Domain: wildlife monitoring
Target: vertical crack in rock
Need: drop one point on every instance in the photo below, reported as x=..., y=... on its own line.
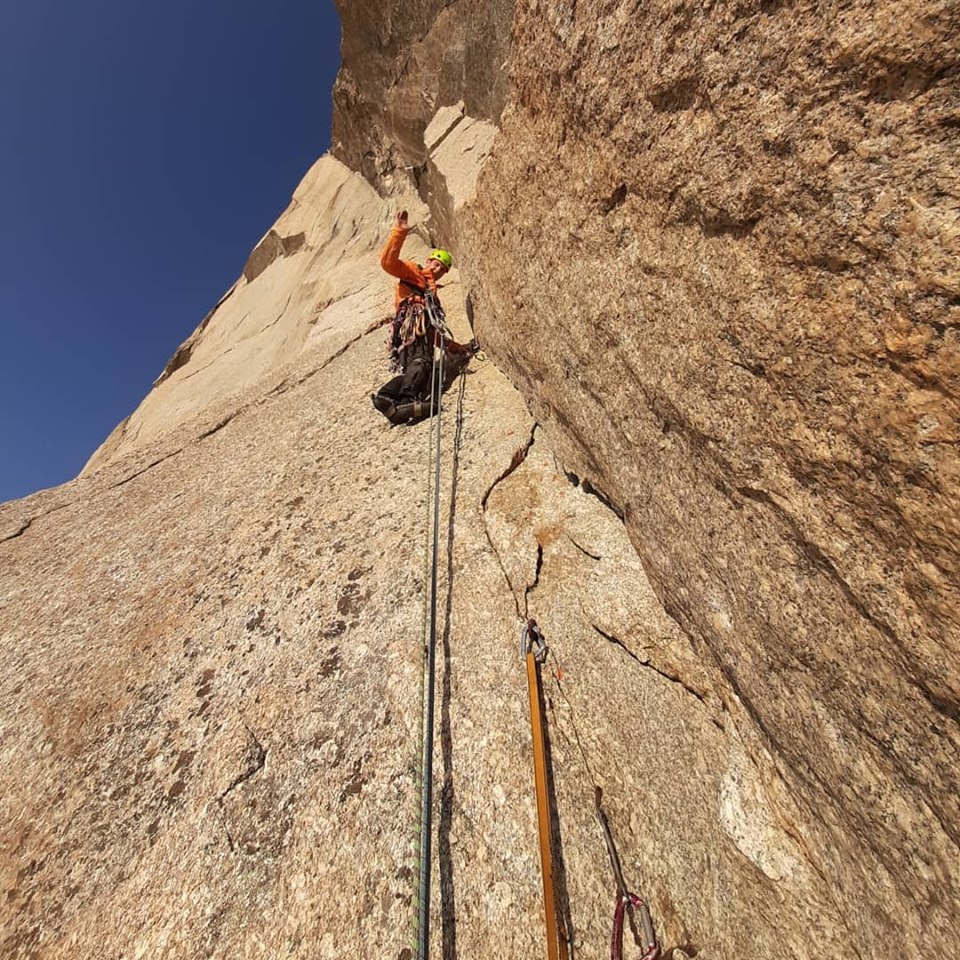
x=518, y=458
x=530, y=587
x=506, y=576
x=256, y=759
x=646, y=663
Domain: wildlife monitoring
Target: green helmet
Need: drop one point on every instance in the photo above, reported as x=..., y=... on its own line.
x=443, y=257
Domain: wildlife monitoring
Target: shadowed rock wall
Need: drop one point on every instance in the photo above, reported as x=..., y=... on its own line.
x=716, y=245
x=404, y=59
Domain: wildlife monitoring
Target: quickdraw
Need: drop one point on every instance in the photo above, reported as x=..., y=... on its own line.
x=616, y=947
x=625, y=900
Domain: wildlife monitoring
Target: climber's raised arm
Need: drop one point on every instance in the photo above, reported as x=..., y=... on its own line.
x=390, y=258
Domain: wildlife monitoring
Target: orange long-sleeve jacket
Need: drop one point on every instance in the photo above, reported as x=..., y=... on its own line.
x=412, y=278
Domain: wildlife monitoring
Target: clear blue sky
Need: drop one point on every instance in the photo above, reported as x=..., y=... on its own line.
x=144, y=149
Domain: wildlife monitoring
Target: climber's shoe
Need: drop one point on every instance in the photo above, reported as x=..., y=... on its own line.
x=383, y=404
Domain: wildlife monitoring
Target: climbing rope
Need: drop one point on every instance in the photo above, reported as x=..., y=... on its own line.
x=428, y=675
x=425, y=613
x=534, y=651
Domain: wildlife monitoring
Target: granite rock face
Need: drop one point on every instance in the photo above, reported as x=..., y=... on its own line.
x=403, y=59
x=210, y=647
x=711, y=253
x=716, y=246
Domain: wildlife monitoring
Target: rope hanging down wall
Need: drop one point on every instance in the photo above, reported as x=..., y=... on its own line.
x=533, y=649
x=429, y=661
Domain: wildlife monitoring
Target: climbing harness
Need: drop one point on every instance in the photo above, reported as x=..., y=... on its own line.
x=626, y=901
x=533, y=649
x=412, y=317
x=429, y=647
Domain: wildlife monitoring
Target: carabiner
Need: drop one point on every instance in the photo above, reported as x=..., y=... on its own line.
x=531, y=641
x=651, y=947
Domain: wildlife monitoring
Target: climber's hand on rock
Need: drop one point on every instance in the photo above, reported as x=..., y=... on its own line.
x=401, y=220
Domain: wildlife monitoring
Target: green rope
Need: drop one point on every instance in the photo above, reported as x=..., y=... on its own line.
x=418, y=775
x=422, y=895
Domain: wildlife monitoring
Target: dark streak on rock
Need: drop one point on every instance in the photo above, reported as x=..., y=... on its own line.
x=356, y=783
x=256, y=758
x=646, y=663
x=518, y=457
x=616, y=199
x=149, y=466
x=583, y=550
x=31, y=520
x=530, y=587
x=219, y=426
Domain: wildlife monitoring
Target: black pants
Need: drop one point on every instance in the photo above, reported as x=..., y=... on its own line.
x=406, y=398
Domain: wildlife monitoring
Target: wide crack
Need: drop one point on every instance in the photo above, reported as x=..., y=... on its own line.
x=530, y=587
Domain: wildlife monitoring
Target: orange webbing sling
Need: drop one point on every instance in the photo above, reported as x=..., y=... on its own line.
x=534, y=650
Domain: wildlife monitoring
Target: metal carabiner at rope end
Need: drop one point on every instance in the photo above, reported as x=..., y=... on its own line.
x=531, y=641
x=646, y=921
x=651, y=949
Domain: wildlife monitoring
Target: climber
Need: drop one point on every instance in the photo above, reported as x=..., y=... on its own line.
x=413, y=339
